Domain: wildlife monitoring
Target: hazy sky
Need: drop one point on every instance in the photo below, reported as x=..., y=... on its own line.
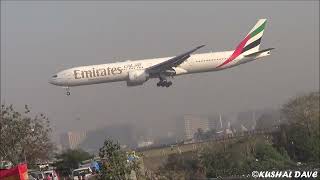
x=39, y=39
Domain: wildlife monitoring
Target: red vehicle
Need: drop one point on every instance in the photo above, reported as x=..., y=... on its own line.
x=51, y=175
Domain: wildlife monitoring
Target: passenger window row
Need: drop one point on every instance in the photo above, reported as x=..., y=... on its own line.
x=140, y=67
x=206, y=60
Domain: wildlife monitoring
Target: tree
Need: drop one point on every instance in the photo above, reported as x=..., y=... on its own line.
x=115, y=162
x=302, y=132
x=267, y=120
x=242, y=157
x=267, y=157
x=70, y=159
x=199, y=134
x=24, y=138
x=182, y=166
x=303, y=111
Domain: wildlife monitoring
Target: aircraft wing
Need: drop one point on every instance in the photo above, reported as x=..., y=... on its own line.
x=173, y=62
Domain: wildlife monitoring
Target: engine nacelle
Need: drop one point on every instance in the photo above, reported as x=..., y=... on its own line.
x=170, y=72
x=137, y=77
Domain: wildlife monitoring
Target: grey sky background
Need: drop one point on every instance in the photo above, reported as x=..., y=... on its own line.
x=39, y=39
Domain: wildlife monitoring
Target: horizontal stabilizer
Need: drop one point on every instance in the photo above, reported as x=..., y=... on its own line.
x=259, y=52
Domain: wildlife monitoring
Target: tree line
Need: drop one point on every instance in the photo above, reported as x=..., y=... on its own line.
x=26, y=138
x=297, y=141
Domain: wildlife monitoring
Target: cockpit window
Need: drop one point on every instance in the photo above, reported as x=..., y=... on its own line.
x=54, y=76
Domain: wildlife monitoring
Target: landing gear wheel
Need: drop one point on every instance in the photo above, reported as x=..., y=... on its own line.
x=160, y=83
x=164, y=83
x=168, y=84
x=68, y=91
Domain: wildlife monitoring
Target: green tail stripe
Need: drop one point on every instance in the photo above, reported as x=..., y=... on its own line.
x=258, y=30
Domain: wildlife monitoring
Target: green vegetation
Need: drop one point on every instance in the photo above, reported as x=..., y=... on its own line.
x=241, y=157
x=185, y=166
x=24, y=138
x=115, y=163
x=301, y=137
x=298, y=140
x=70, y=159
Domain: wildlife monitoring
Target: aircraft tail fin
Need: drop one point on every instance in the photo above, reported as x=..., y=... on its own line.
x=251, y=43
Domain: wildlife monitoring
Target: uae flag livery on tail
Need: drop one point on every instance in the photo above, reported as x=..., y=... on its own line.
x=250, y=44
x=254, y=36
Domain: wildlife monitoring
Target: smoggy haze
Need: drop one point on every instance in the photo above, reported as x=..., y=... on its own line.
x=39, y=39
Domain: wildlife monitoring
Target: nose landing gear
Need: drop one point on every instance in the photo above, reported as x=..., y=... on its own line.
x=68, y=91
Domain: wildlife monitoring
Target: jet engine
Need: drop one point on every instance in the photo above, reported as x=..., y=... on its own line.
x=137, y=77
x=170, y=72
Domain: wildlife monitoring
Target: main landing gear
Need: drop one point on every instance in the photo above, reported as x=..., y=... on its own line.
x=163, y=82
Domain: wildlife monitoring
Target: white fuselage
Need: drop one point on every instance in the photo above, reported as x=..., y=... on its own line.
x=103, y=73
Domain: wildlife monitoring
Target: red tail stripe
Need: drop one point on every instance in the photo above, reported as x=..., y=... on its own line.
x=236, y=52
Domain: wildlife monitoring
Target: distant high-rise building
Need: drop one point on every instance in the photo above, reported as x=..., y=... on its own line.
x=257, y=119
x=193, y=123
x=247, y=119
x=218, y=122
x=71, y=140
x=125, y=133
x=213, y=121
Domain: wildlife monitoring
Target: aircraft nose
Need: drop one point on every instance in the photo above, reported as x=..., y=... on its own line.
x=53, y=80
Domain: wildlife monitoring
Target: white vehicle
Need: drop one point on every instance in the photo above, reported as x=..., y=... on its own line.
x=137, y=72
x=79, y=173
x=36, y=175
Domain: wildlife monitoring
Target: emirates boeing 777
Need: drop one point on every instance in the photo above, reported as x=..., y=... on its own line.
x=137, y=72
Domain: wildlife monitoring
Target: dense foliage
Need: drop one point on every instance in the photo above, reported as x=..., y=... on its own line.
x=24, y=138
x=116, y=163
x=186, y=166
x=297, y=140
x=301, y=137
x=70, y=159
x=201, y=135
x=242, y=157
